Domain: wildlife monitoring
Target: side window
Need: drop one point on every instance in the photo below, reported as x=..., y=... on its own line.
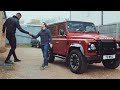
x=61, y=30
x=52, y=29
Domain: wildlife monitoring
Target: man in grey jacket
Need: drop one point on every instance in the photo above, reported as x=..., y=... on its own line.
x=10, y=26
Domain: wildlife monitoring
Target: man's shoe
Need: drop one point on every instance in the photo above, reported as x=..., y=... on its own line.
x=43, y=67
x=17, y=60
x=9, y=62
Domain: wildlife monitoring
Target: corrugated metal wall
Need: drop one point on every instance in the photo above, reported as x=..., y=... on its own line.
x=24, y=38
x=112, y=30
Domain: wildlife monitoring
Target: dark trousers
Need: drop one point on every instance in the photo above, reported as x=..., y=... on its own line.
x=12, y=41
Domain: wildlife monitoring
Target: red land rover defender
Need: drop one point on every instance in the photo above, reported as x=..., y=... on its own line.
x=80, y=44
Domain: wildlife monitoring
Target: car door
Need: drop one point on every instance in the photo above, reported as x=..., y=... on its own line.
x=61, y=42
x=54, y=30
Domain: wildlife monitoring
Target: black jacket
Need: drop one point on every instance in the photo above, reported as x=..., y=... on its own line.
x=11, y=24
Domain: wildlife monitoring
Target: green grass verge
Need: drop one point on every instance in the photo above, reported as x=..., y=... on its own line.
x=21, y=45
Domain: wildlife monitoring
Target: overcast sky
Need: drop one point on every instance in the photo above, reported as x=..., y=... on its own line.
x=28, y=15
x=92, y=16
x=95, y=16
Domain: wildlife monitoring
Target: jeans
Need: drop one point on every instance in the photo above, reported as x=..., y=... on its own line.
x=45, y=53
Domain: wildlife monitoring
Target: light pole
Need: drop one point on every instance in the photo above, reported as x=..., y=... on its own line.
x=70, y=15
x=101, y=17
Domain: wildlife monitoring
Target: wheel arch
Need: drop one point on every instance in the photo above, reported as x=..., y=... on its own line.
x=78, y=46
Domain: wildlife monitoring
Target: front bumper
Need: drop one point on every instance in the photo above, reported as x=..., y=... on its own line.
x=98, y=58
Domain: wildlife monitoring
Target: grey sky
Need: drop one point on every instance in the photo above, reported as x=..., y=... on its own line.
x=28, y=15
x=92, y=16
x=95, y=16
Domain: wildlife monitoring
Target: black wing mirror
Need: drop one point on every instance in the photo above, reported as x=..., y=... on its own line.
x=98, y=32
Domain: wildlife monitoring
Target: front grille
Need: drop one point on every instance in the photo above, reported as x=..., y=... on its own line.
x=106, y=47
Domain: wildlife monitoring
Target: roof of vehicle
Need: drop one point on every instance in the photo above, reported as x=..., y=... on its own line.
x=68, y=21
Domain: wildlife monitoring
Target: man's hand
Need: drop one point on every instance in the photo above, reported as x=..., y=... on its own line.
x=30, y=33
x=3, y=34
x=51, y=45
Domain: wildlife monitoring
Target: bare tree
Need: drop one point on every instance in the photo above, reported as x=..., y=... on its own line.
x=54, y=20
x=34, y=21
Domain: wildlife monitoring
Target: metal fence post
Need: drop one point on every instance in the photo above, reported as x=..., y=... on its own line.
x=117, y=33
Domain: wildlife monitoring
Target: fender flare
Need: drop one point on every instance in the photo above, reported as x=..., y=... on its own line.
x=78, y=45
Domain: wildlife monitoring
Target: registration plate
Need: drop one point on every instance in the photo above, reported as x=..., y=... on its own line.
x=108, y=56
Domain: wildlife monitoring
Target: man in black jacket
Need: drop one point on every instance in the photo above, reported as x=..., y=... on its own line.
x=10, y=26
